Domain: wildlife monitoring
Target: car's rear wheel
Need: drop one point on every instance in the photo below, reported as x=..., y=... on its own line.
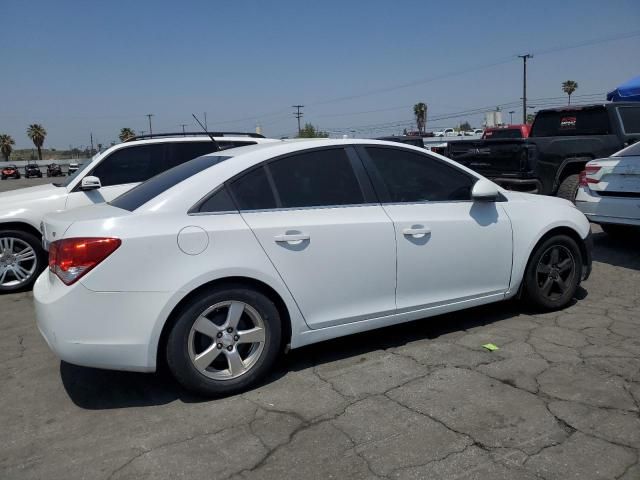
x=224, y=341
x=569, y=188
x=21, y=260
x=553, y=273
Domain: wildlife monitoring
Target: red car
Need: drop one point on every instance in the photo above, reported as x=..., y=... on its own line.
x=508, y=131
x=10, y=171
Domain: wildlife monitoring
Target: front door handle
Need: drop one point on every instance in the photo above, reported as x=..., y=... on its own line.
x=291, y=237
x=416, y=231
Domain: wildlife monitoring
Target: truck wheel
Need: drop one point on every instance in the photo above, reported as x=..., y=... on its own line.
x=569, y=188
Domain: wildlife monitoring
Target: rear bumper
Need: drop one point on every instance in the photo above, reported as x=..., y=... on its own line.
x=613, y=210
x=112, y=330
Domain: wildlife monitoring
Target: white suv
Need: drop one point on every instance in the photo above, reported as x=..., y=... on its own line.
x=100, y=179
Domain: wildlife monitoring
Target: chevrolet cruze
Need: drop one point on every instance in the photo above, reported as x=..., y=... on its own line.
x=221, y=263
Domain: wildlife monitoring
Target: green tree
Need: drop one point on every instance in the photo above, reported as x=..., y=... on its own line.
x=530, y=117
x=309, y=131
x=126, y=134
x=420, y=112
x=569, y=87
x=465, y=126
x=5, y=146
x=37, y=133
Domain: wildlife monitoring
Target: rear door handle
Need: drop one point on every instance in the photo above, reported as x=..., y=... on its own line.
x=416, y=231
x=291, y=237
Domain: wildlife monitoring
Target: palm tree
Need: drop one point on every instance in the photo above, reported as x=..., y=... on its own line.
x=126, y=134
x=36, y=133
x=5, y=146
x=569, y=87
x=420, y=112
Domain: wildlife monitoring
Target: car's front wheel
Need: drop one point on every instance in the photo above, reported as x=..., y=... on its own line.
x=224, y=341
x=21, y=260
x=553, y=273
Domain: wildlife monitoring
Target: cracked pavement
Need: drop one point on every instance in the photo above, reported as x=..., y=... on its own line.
x=560, y=399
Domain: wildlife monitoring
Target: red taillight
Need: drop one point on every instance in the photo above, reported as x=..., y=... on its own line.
x=584, y=179
x=72, y=258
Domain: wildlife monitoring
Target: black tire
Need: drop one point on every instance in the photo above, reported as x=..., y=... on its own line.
x=40, y=260
x=569, y=188
x=178, y=343
x=536, y=278
x=3, y=177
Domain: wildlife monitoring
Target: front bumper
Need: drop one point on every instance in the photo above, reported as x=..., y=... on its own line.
x=112, y=330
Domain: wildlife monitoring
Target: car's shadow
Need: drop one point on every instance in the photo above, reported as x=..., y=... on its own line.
x=620, y=251
x=103, y=389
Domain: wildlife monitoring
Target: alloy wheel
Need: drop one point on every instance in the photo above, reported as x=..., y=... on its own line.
x=18, y=262
x=226, y=340
x=555, y=271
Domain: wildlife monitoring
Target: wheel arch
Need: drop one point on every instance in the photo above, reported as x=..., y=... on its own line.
x=22, y=226
x=242, y=281
x=569, y=166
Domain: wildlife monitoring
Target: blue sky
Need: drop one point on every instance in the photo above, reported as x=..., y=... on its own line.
x=79, y=67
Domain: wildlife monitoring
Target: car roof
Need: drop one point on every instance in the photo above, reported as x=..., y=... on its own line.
x=202, y=138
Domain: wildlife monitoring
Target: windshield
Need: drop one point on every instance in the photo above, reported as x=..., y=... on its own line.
x=141, y=194
x=77, y=173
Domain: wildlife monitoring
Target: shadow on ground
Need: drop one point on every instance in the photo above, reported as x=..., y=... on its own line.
x=618, y=251
x=96, y=389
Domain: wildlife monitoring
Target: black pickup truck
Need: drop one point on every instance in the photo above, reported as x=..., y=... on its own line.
x=561, y=142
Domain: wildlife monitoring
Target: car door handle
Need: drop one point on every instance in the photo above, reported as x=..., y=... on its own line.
x=291, y=237
x=416, y=231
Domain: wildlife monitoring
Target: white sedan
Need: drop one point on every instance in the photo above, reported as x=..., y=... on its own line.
x=219, y=264
x=609, y=191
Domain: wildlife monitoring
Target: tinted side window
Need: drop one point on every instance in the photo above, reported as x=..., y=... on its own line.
x=253, y=192
x=590, y=121
x=412, y=177
x=317, y=178
x=630, y=119
x=183, y=152
x=131, y=165
x=220, y=201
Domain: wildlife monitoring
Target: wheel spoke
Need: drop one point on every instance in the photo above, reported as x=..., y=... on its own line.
x=562, y=285
x=21, y=273
x=3, y=274
x=555, y=255
x=204, y=359
x=206, y=327
x=545, y=269
x=546, y=286
x=255, y=335
x=565, y=265
x=233, y=315
x=236, y=365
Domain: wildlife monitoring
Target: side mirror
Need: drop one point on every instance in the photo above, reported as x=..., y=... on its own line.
x=485, y=191
x=90, y=183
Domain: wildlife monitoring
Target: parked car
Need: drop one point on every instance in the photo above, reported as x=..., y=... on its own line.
x=32, y=170
x=446, y=132
x=218, y=264
x=101, y=179
x=10, y=171
x=54, y=170
x=561, y=142
x=507, y=131
x=414, y=140
x=72, y=168
x=609, y=191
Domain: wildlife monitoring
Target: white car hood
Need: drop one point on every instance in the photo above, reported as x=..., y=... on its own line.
x=31, y=193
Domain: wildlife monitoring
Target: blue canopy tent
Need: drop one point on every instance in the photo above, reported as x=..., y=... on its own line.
x=629, y=91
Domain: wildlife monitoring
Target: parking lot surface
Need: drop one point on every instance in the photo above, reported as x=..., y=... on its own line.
x=559, y=399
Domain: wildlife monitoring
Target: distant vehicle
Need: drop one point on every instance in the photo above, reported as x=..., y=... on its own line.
x=561, y=142
x=414, y=140
x=100, y=179
x=447, y=132
x=609, y=190
x=478, y=131
x=508, y=131
x=54, y=170
x=73, y=168
x=32, y=170
x=10, y=171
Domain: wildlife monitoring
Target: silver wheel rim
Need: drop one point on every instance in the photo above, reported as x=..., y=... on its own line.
x=555, y=272
x=226, y=340
x=18, y=262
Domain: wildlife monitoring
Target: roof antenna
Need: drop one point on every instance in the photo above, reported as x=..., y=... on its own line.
x=207, y=132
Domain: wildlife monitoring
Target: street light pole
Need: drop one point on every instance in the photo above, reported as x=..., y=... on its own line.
x=149, y=115
x=524, y=85
x=511, y=117
x=183, y=125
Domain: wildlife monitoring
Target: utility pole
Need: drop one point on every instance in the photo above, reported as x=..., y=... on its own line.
x=524, y=85
x=91, y=135
x=184, y=125
x=149, y=115
x=298, y=114
x=511, y=117
x=205, y=121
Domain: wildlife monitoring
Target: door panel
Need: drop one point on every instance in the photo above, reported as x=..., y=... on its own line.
x=449, y=251
x=338, y=263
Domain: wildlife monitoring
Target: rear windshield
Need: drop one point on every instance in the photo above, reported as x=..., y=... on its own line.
x=631, y=151
x=563, y=123
x=503, y=133
x=141, y=194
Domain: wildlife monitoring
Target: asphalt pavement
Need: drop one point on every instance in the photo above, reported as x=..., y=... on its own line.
x=559, y=399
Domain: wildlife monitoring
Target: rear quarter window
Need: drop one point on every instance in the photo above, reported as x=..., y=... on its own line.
x=630, y=117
